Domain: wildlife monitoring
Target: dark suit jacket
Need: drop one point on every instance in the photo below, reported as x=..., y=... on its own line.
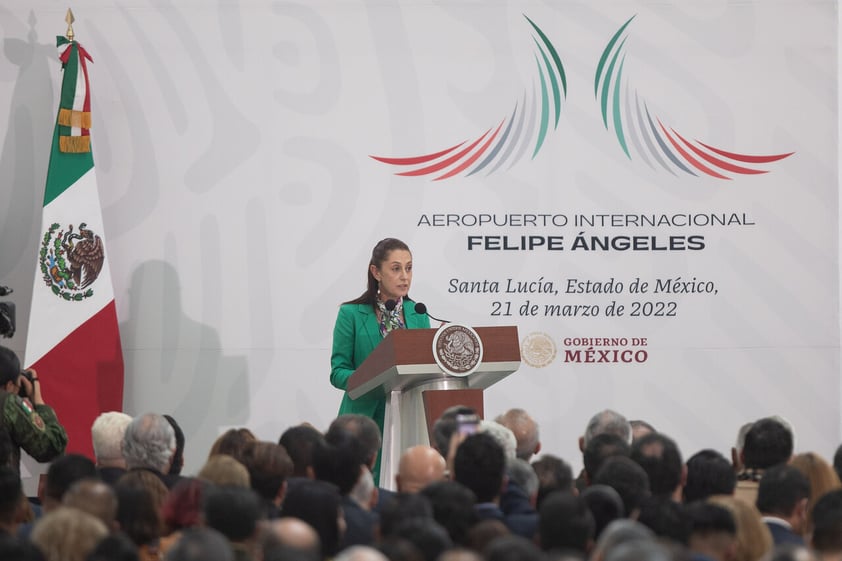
x=360, y=524
x=781, y=534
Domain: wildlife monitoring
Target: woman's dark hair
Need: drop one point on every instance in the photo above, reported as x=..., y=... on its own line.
x=10, y=364
x=378, y=256
x=137, y=513
x=317, y=503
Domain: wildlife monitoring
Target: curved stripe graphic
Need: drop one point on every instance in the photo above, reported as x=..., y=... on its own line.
x=526, y=126
x=650, y=138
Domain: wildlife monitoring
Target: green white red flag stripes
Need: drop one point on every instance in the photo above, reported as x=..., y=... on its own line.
x=73, y=340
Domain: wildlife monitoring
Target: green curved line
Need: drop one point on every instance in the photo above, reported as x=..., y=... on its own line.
x=554, y=83
x=604, y=56
x=618, y=123
x=553, y=53
x=545, y=110
x=603, y=102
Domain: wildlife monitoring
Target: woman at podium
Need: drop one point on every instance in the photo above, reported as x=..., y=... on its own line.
x=363, y=322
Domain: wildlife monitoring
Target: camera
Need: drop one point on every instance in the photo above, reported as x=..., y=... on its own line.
x=7, y=314
x=28, y=375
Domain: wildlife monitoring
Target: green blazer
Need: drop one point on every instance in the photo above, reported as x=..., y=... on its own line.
x=355, y=335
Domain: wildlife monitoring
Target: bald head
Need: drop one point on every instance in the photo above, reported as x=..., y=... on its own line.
x=419, y=466
x=294, y=533
x=525, y=430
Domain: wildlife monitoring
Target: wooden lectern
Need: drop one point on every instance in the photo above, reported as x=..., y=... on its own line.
x=403, y=369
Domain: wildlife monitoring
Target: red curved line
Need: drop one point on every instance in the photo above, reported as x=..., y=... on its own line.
x=748, y=158
x=696, y=164
x=444, y=163
x=473, y=158
x=728, y=166
x=412, y=160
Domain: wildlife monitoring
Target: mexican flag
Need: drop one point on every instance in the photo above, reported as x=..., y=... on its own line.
x=73, y=341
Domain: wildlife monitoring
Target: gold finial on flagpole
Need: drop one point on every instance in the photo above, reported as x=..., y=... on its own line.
x=69, y=19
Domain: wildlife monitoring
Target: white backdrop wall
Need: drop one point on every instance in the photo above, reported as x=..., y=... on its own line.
x=232, y=143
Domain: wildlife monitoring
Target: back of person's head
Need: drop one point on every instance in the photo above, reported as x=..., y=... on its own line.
x=837, y=462
x=177, y=463
x=768, y=442
x=479, y=465
x=521, y=474
x=565, y=522
x=554, y=474
x=660, y=458
x=708, y=473
x=232, y=511
x=781, y=490
x=291, y=535
x=402, y=507
x=269, y=466
x=114, y=547
x=513, y=548
x=622, y=531
x=712, y=527
x=819, y=473
x=95, y=498
x=64, y=472
x=183, y=506
x=504, y=437
x=600, y=448
x=453, y=508
x=318, y=503
x=338, y=460
x=149, y=442
x=9, y=366
x=11, y=495
x=107, y=433
x=638, y=550
x=145, y=479
x=222, y=469
x=426, y=535
x=360, y=553
x=640, y=428
x=362, y=428
x=200, y=544
x=605, y=505
x=607, y=421
x=525, y=430
x=232, y=442
x=67, y=534
x=754, y=540
x=137, y=512
x=666, y=518
x=628, y=479
x=827, y=523
x=445, y=427
x=299, y=442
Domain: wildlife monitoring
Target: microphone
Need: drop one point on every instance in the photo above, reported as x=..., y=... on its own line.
x=420, y=308
x=390, y=304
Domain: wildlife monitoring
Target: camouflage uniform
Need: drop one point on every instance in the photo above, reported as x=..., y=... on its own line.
x=36, y=430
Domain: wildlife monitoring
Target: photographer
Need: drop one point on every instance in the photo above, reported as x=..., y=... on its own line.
x=30, y=423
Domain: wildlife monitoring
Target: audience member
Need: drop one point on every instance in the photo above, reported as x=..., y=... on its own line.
x=425, y=534
x=232, y=442
x=826, y=538
x=149, y=443
x=782, y=498
x=114, y=547
x=713, y=532
x=67, y=534
x=767, y=443
x=604, y=422
x=61, y=475
x=235, y=513
x=201, y=544
x=753, y=540
x=605, y=505
x=446, y=426
x=11, y=500
x=418, y=467
x=737, y=449
x=566, y=523
x=513, y=548
x=660, y=458
x=525, y=430
x=96, y=498
x=666, y=518
x=402, y=507
x=628, y=479
x=640, y=428
x=107, y=433
x=554, y=474
x=599, y=449
x=361, y=553
x=453, y=508
x=222, y=469
x=138, y=516
x=480, y=466
x=291, y=533
x=819, y=473
x=319, y=504
x=520, y=473
x=268, y=465
x=299, y=442
x=708, y=473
